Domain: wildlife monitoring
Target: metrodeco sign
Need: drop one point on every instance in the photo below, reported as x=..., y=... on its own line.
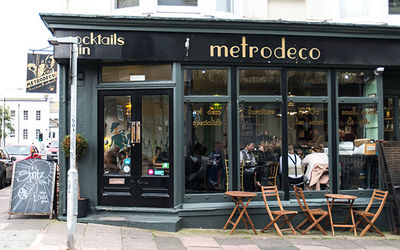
x=41, y=76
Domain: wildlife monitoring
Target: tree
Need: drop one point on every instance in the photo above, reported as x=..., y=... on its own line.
x=7, y=119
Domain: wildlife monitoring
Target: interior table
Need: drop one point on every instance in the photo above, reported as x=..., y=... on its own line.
x=237, y=198
x=331, y=199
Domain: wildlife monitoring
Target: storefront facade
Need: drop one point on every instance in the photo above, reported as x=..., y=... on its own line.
x=169, y=105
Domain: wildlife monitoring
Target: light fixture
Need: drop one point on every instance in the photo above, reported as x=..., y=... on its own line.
x=379, y=70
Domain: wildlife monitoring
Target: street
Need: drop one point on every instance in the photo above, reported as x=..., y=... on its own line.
x=39, y=232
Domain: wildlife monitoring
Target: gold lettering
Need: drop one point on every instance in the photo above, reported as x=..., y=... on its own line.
x=282, y=49
x=263, y=54
x=291, y=52
x=121, y=41
x=234, y=50
x=105, y=40
x=301, y=53
x=312, y=54
x=84, y=40
x=244, y=44
x=251, y=48
x=219, y=49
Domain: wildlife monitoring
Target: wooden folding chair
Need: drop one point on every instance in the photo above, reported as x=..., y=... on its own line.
x=282, y=216
x=273, y=173
x=309, y=213
x=362, y=216
x=227, y=174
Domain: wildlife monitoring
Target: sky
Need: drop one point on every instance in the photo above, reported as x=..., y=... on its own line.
x=22, y=30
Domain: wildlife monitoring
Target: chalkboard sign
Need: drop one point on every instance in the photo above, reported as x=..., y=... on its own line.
x=32, y=187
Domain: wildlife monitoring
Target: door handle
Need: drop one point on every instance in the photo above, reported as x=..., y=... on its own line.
x=133, y=132
x=138, y=135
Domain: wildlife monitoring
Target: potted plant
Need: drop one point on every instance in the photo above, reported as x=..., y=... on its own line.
x=81, y=148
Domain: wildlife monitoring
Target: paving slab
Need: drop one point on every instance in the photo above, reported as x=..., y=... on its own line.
x=340, y=244
x=240, y=247
x=168, y=243
x=136, y=233
x=199, y=242
x=234, y=241
x=394, y=243
x=129, y=243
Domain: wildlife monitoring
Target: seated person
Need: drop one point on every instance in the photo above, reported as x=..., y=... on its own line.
x=317, y=164
x=196, y=168
x=295, y=170
x=247, y=156
x=216, y=166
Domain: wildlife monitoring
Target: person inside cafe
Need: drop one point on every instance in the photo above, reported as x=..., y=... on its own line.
x=196, y=168
x=216, y=173
x=265, y=138
x=317, y=169
x=295, y=169
x=247, y=155
x=317, y=137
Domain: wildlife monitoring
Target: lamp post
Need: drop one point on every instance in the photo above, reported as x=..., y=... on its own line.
x=72, y=196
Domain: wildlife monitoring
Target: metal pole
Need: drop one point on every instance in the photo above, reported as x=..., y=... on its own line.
x=72, y=197
x=2, y=122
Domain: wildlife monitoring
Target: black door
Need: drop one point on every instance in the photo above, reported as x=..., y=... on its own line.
x=135, y=148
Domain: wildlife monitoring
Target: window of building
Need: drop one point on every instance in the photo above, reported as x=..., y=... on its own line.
x=178, y=2
x=307, y=83
x=37, y=134
x=37, y=115
x=12, y=133
x=12, y=113
x=357, y=83
x=25, y=115
x=126, y=3
x=54, y=134
x=24, y=134
x=259, y=82
x=394, y=6
x=136, y=73
x=212, y=82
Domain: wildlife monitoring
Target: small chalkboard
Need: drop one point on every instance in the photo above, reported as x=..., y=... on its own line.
x=32, y=189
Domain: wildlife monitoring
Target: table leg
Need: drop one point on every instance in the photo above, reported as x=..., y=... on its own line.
x=232, y=214
x=247, y=215
x=240, y=216
x=330, y=203
x=352, y=217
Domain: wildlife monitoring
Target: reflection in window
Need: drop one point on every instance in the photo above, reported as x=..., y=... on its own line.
x=259, y=82
x=178, y=2
x=127, y=3
x=155, y=135
x=357, y=84
x=308, y=133
x=307, y=83
x=358, y=128
x=206, y=82
x=117, y=153
x=136, y=73
x=389, y=120
x=206, y=128
x=260, y=145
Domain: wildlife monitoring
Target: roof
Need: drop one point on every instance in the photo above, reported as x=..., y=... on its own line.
x=55, y=21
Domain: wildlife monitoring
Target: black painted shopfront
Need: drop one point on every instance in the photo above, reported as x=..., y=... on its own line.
x=172, y=104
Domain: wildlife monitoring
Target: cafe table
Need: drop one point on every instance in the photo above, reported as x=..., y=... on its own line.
x=240, y=207
x=332, y=199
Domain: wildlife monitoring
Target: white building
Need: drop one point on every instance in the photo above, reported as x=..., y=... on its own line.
x=32, y=116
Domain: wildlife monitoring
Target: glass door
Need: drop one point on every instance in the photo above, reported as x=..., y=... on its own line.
x=135, y=154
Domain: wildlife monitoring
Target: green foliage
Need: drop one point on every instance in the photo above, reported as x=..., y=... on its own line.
x=81, y=145
x=7, y=122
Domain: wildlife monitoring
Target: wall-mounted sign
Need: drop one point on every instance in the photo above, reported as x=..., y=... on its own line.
x=41, y=76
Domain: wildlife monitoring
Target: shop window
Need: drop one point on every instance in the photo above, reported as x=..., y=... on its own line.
x=389, y=118
x=126, y=3
x=259, y=82
x=357, y=84
x=358, y=130
x=260, y=145
x=136, y=73
x=206, y=165
x=308, y=135
x=206, y=82
x=394, y=6
x=178, y=2
x=224, y=5
x=307, y=83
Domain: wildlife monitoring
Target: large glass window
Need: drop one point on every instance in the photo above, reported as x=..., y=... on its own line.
x=136, y=73
x=394, y=6
x=358, y=130
x=206, y=82
x=259, y=82
x=206, y=128
x=178, y=2
x=307, y=83
x=260, y=145
x=357, y=84
x=126, y=3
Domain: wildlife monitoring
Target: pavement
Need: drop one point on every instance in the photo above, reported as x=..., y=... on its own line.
x=39, y=232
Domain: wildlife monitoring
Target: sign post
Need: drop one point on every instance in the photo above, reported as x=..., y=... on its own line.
x=72, y=196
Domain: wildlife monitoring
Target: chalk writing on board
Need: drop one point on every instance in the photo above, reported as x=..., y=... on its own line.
x=32, y=186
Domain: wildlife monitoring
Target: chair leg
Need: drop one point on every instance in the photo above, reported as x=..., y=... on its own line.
x=290, y=224
x=370, y=224
x=316, y=223
x=302, y=223
x=269, y=224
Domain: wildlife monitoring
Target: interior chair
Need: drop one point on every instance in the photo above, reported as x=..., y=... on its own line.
x=362, y=216
x=241, y=175
x=282, y=216
x=310, y=214
x=273, y=173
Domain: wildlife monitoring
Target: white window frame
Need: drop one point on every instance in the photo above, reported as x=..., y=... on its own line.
x=26, y=115
x=37, y=134
x=12, y=113
x=38, y=115
x=25, y=134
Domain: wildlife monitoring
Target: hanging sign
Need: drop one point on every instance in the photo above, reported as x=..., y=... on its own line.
x=41, y=74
